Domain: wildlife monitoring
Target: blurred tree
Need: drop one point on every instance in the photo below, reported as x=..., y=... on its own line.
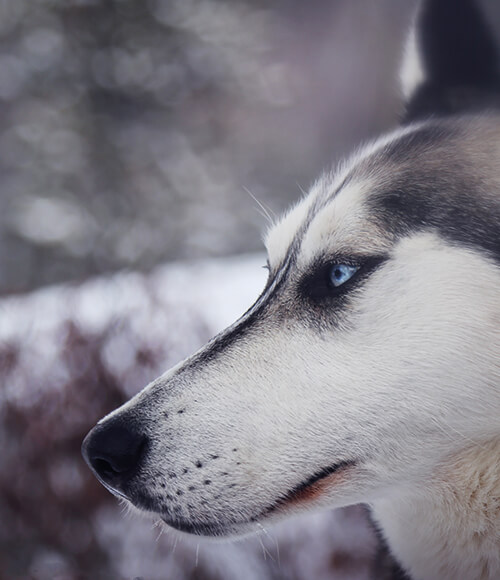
x=131, y=129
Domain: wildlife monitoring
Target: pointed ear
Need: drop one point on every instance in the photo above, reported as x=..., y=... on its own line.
x=451, y=61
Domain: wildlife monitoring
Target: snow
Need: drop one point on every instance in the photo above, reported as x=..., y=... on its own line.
x=217, y=291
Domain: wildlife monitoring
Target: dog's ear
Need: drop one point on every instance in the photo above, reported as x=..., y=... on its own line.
x=451, y=60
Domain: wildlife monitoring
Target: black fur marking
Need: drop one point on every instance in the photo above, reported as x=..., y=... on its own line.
x=437, y=203
x=423, y=138
x=459, y=57
x=434, y=184
x=456, y=42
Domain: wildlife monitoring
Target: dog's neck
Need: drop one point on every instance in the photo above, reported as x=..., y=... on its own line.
x=449, y=528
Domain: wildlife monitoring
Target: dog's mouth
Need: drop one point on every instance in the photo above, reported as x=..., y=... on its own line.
x=308, y=490
x=313, y=487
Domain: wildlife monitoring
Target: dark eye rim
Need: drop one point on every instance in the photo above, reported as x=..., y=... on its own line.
x=317, y=287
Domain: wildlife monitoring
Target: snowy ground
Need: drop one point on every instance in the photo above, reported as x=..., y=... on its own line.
x=70, y=354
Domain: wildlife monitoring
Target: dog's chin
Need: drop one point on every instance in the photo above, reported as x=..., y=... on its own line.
x=221, y=531
x=291, y=502
x=215, y=531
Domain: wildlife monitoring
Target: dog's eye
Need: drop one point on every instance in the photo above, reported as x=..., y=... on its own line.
x=330, y=280
x=340, y=273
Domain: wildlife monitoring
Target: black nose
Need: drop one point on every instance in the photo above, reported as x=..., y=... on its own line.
x=114, y=449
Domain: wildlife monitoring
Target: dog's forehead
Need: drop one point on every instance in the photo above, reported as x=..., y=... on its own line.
x=435, y=175
x=342, y=225
x=334, y=213
x=280, y=237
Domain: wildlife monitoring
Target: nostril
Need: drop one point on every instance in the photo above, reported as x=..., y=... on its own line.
x=113, y=450
x=104, y=467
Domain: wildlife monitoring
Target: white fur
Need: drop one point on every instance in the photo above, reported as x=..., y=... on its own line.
x=342, y=225
x=278, y=240
x=449, y=528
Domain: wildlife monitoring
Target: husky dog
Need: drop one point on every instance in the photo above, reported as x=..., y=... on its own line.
x=369, y=368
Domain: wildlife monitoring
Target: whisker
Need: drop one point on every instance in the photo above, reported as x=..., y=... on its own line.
x=176, y=539
x=264, y=550
x=158, y=524
x=464, y=437
x=274, y=540
x=267, y=211
x=302, y=190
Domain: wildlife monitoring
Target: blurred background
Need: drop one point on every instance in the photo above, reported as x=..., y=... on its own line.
x=135, y=137
x=131, y=130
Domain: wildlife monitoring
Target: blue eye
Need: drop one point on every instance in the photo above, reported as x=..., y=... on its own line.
x=340, y=273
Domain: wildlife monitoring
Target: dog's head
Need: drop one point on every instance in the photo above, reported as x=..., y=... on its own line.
x=370, y=356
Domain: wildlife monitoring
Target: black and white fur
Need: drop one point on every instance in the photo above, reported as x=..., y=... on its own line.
x=383, y=390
